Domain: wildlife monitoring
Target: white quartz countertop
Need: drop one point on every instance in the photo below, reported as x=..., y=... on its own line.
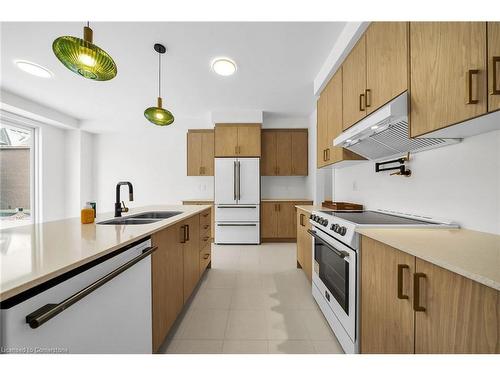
x=472, y=254
x=32, y=254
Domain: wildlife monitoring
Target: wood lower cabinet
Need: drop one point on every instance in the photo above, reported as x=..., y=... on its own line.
x=237, y=140
x=447, y=74
x=279, y=221
x=493, y=66
x=212, y=213
x=167, y=281
x=461, y=315
x=354, y=85
x=387, y=320
x=386, y=63
x=200, y=152
x=304, y=243
x=409, y=305
x=284, y=152
x=191, y=248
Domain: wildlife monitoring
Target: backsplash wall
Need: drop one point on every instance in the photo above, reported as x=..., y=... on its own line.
x=459, y=182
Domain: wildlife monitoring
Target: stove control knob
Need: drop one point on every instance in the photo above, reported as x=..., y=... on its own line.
x=342, y=231
x=335, y=228
x=325, y=222
x=311, y=216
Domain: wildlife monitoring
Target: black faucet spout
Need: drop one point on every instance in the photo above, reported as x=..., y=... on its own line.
x=118, y=206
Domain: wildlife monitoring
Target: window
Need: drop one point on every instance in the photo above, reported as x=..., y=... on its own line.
x=17, y=193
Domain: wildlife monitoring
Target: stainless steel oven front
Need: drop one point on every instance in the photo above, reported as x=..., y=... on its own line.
x=335, y=278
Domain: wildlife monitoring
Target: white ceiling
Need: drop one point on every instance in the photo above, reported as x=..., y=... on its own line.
x=277, y=63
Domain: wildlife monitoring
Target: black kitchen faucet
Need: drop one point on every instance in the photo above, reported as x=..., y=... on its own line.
x=120, y=207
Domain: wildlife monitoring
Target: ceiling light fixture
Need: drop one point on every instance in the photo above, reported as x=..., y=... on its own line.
x=33, y=69
x=84, y=58
x=224, y=66
x=158, y=115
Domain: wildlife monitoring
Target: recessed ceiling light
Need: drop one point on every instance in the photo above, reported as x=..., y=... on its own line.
x=33, y=69
x=224, y=66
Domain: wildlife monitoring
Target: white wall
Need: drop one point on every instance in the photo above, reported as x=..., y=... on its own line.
x=154, y=160
x=459, y=182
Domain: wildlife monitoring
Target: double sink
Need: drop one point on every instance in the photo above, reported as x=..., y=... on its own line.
x=142, y=218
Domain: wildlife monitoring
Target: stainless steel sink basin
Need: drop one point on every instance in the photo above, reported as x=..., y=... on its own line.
x=156, y=214
x=142, y=218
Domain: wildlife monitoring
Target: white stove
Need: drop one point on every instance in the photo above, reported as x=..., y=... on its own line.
x=336, y=263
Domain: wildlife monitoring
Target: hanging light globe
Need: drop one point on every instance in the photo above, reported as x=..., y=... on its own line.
x=158, y=115
x=83, y=57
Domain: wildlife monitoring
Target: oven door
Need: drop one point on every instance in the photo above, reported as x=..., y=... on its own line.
x=335, y=276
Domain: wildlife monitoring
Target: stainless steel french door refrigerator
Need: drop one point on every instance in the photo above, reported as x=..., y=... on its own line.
x=237, y=200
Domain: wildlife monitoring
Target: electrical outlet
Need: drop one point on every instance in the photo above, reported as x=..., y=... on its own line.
x=354, y=186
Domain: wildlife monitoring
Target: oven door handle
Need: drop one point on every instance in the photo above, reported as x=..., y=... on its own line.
x=341, y=254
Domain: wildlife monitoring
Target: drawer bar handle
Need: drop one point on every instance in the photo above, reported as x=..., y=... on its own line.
x=401, y=267
x=416, y=291
x=47, y=312
x=237, y=225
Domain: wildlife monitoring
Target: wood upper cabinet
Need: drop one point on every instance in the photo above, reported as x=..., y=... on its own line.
x=304, y=244
x=447, y=74
x=329, y=124
x=386, y=63
x=354, y=85
x=234, y=140
x=200, y=152
x=387, y=321
x=493, y=66
x=461, y=315
x=191, y=249
x=284, y=152
x=167, y=278
x=409, y=305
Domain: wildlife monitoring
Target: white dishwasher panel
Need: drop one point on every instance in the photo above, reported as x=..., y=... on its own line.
x=115, y=318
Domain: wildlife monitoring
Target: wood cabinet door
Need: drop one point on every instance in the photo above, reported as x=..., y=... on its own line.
x=307, y=248
x=207, y=153
x=354, y=85
x=334, y=114
x=191, y=255
x=493, y=66
x=226, y=140
x=268, y=159
x=461, y=315
x=386, y=62
x=284, y=153
x=300, y=153
x=194, y=141
x=446, y=59
x=321, y=129
x=300, y=236
x=269, y=220
x=287, y=220
x=387, y=322
x=249, y=137
x=166, y=282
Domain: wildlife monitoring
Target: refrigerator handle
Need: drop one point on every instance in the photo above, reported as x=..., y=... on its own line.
x=239, y=180
x=234, y=180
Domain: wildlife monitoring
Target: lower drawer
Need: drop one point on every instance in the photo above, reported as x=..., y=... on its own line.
x=205, y=238
x=237, y=233
x=205, y=258
x=237, y=213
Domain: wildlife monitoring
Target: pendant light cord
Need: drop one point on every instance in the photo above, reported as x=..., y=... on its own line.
x=159, y=75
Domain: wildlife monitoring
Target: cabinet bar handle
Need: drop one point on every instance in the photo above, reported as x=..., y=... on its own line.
x=401, y=267
x=469, y=84
x=416, y=291
x=302, y=220
x=361, y=102
x=496, y=90
x=50, y=310
x=206, y=256
x=327, y=154
x=187, y=232
x=183, y=234
x=367, y=101
x=200, y=171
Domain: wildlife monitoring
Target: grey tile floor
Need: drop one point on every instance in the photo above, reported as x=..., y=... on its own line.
x=252, y=300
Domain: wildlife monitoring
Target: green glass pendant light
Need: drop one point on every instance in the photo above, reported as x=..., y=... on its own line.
x=158, y=115
x=84, y=58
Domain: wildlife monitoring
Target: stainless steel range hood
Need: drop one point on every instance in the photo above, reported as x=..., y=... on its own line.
x=385, y=133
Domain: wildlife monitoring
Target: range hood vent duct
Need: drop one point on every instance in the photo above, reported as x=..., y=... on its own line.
x=385, y=133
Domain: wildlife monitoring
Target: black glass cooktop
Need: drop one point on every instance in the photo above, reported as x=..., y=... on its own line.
x=374, y=218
